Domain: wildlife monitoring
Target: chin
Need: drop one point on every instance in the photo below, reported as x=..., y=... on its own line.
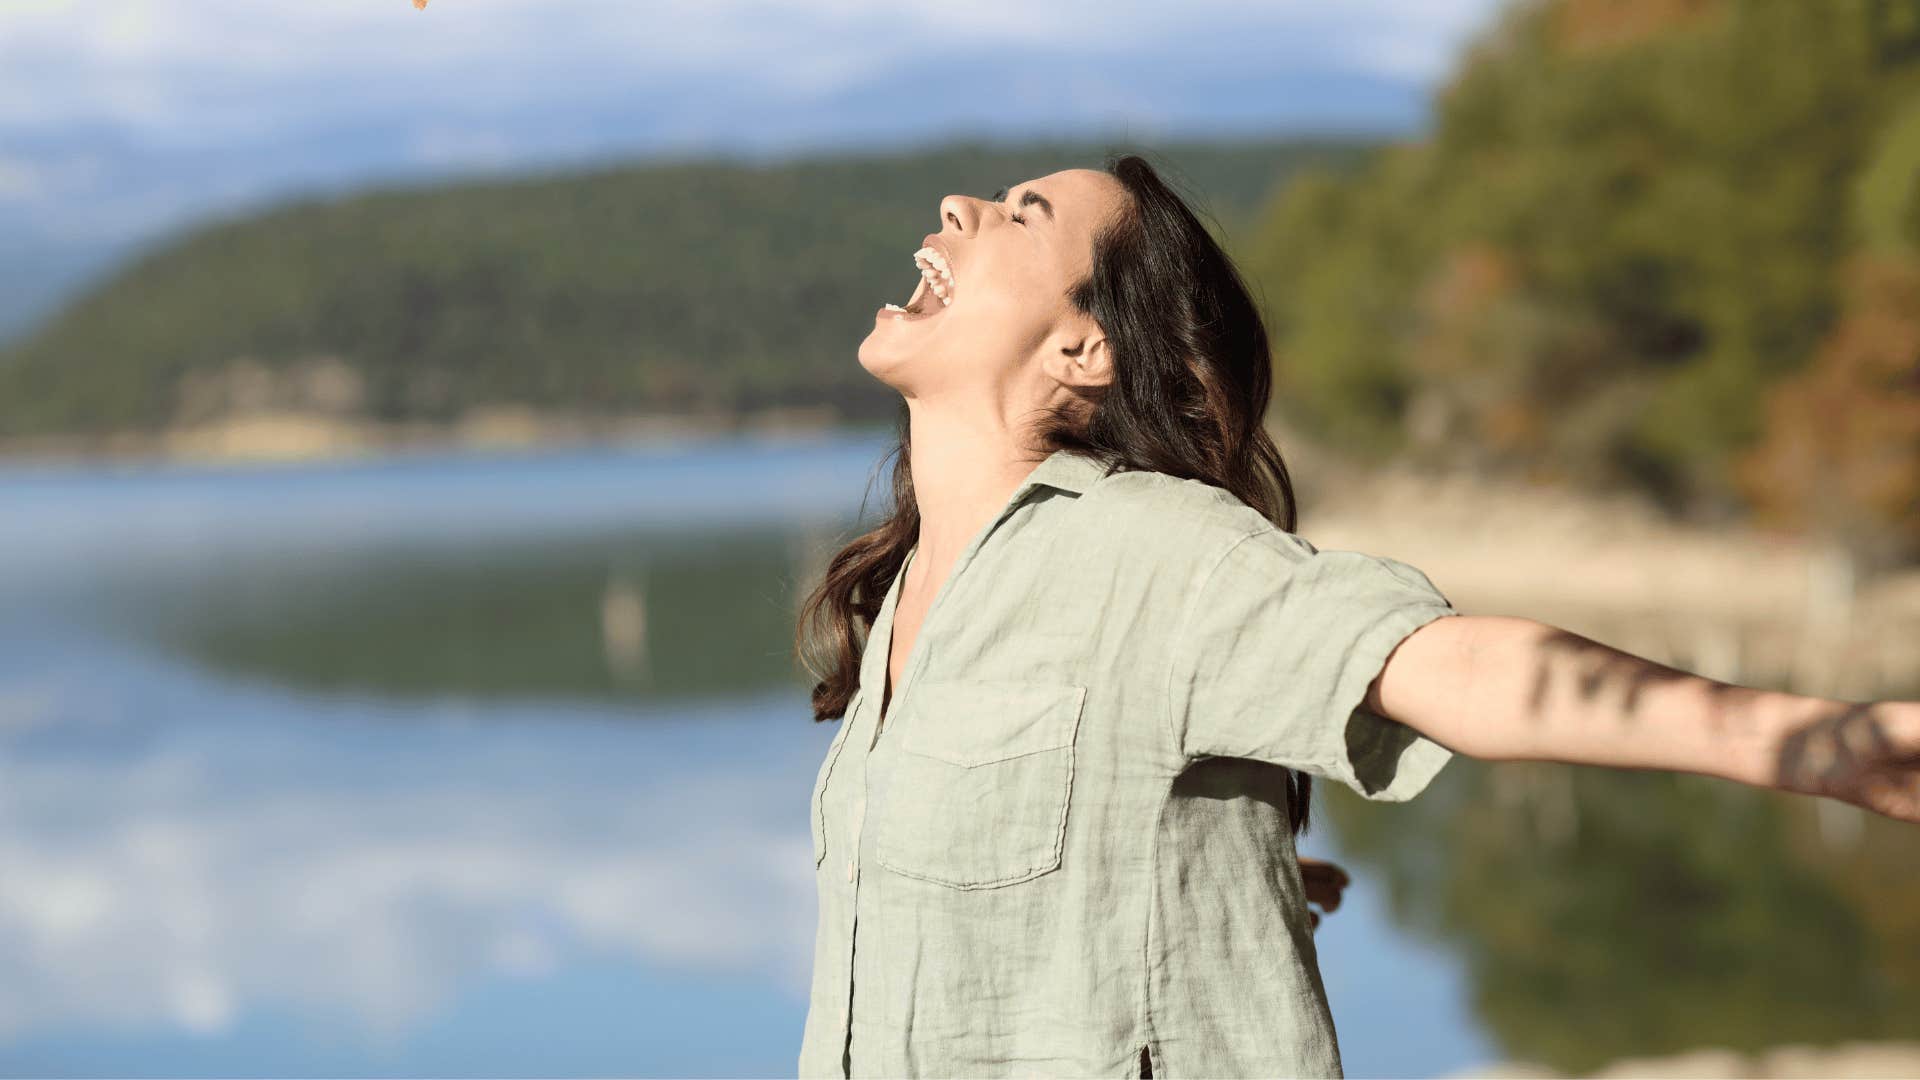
x=882, y=358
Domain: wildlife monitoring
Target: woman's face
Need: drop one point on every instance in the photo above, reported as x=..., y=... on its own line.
x=1006, y=267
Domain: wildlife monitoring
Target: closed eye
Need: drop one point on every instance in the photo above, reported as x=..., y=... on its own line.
x=1028, y=198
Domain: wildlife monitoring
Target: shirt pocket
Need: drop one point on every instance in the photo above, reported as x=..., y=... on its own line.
x=979, y=791
x=819, y=802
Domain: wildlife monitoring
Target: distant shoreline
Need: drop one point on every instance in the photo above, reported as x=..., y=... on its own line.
x=290, y=437
x=1857, y=1058
x=1740, y=604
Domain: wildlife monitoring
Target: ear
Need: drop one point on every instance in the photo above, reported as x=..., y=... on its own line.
x=1079, y=355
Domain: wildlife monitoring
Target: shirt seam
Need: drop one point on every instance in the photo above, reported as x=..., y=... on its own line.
x=1166, y=795
x=1179, y=642
x=1147, y=938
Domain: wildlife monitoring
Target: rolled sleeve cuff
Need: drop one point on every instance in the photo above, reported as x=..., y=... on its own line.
x=1384, y=760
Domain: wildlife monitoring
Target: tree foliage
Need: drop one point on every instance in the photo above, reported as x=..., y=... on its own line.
x=652, y=287
x=1629, y=225
x=1603, y=914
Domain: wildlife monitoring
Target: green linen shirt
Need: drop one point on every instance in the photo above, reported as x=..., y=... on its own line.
x=1066, y=849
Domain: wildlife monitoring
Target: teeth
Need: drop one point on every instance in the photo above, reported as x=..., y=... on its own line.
x=938, y=276
x=933, y=266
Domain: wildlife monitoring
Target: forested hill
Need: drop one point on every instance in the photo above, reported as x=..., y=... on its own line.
x=646, y=288
x=1667, y=245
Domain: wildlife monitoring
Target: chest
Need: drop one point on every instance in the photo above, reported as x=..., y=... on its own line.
x=1017, y=609
x=909, y=615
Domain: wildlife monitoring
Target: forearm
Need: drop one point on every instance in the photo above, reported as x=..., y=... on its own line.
x=1538, y=692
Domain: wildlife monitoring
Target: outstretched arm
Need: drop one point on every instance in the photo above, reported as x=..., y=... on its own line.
x=1514, y=689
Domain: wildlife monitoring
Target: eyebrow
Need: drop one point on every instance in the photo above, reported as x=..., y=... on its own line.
x=1030, y=198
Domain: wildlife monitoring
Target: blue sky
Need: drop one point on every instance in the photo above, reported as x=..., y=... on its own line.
x=122, y=119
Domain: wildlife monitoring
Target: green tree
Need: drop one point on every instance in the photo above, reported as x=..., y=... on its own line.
x=1625, y=228
x=646, y=287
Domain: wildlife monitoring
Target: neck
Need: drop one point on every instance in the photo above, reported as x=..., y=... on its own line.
x=963, y=473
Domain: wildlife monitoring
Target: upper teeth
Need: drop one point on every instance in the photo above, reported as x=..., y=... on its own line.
x=933, y=266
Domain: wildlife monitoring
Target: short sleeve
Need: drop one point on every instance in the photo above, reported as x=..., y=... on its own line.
x=1274, y=655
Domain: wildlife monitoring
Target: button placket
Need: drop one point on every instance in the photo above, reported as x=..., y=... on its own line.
x=857, y=818
x=857, y=806
x=855, y=809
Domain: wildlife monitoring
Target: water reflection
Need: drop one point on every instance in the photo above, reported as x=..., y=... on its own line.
x=1607, y=913
x=499, y=766
x=168, y=867
x=356, y=769
x=632, y=617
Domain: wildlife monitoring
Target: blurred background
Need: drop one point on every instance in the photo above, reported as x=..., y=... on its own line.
x=418, y=426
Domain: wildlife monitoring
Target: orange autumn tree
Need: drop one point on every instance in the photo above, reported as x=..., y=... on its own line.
x=1628, y=222
x=1840, y=456
x=1840, y=460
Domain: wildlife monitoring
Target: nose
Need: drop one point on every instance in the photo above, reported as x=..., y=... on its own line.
x=960, y=212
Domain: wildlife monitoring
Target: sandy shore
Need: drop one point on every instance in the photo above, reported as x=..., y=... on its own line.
x=1736, y=604
x=287, y=436
x=1799, y=1062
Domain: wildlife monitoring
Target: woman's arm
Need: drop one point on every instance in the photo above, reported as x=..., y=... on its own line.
x=1506, y=688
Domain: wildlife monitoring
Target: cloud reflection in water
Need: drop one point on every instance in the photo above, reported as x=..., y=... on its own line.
x=384, y=859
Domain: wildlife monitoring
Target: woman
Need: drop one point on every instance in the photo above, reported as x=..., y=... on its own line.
x=1085, y=669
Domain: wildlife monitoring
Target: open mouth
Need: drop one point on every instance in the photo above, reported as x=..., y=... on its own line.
x=932, y=295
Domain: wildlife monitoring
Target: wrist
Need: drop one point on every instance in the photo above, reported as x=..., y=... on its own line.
x=1812, y=743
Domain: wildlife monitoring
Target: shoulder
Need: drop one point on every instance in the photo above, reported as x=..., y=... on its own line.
x=1188, y=522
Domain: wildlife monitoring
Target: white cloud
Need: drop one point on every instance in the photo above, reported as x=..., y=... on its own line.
x=1422, y=39
x=191, y=108
x=199, y=69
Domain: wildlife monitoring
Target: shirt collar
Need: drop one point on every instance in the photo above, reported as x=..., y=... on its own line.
x=1068, y=470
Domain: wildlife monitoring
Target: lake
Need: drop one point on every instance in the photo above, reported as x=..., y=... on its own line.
x=494, y=765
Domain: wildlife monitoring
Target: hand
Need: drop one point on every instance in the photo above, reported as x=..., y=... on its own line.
x=1324, y=881
x=1865, y=753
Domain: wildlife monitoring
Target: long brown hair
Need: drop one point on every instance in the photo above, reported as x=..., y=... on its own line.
x=1192, y=376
